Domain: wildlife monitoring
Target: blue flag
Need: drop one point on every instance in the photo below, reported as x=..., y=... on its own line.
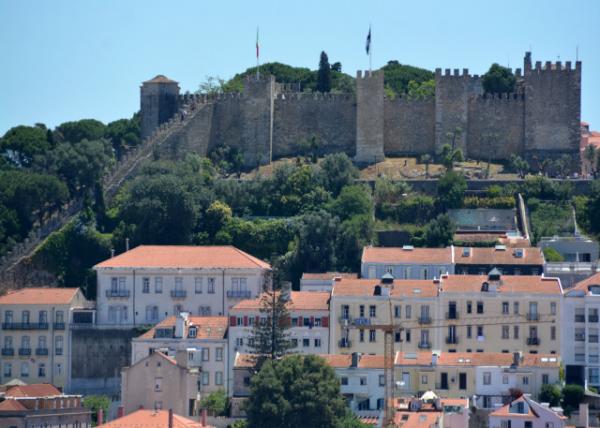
x=368, y=46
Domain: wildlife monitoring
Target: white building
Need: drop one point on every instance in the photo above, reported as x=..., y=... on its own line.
x=524, y=412
x=206, y=335
x=581, y=331
x=322, y=281
x=149, y=283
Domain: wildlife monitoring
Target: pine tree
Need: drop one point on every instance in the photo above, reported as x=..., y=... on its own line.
x=324, y=74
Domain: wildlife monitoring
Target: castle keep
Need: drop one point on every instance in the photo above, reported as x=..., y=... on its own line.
x=269, y=120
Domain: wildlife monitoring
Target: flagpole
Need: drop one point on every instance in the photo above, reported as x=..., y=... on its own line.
x=257, y=56
x=370, y=50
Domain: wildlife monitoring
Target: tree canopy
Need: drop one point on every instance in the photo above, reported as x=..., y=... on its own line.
x=324, y=74
x=398, y=77
x=498, y=80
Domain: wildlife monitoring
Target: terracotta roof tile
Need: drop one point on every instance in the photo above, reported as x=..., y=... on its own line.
x=365, y=362
x=401, y=288
x=509, y=284
x=299, y=301
x=244, y=361
x=417, y=419
x=582, y=286
x=208, y=327
x=11, y=405
x=400, y=255
x=160, y=78
x=33, y=390
x=39, y=295
x=493, y=256
x=504, y=411
x=475, y=359
x=185, y=257
x=152, y=419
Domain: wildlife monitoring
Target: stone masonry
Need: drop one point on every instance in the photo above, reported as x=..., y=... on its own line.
x=270, y=120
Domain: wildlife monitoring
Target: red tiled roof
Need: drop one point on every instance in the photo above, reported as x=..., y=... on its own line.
x=583, y=285
x=208, y=327
x=530, y=284
x=416, y=419
x=493, y=256
x=475, y=359
x=160, y=79
x=11, y=405
x=365, y=362
x=39, y=296
x=152, y=419
x=299, y=301
x=403, y=287
x=401, y=255
x=504, y=411
x=33, y=390
x=185, y=257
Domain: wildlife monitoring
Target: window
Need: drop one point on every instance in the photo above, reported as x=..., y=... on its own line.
x=389, y=269
x=43, y=317
x=58, y=369
x=424, y=379
x=505, y=380
x=8, y=317
x=305, y=343
x=146, y=285
x=381, y=380
x=239, y=321
x=219, y=354
x=344, y=380
x=294, y=343
x=407, y=337
x=158, y=283
x=469, y=331
x=479, y=331
x=361, y=311
x=8, y=342
x=552, y=332
x=516, y=332
x=158, y=384
x=372, y=311
x=205, y=378
x=424, y=273
x=24, y=369
x=407, y=310
x=345, y=312
x=487, y=378
x=218, y=378
x=469, y=307
x=545, y=379
x=503, y=424
x=318, y=322
x=192, y=331
x=397, y=311
x=317, y=343
x=152, y=313
x=525, y=380
x=158, y=405
x=198, y=285
x=58, y=345
x=372, y=335
x=505, y=308
x=42, y=342
x=25, y=344
x=205, y=354
x=533, y=332
x=25, y=317
x=552, y=308
x=505, y=332
x=397, y=337
x=306, y=322
x=206, y=311
x=361, y=335
x=479, y=307
x=516, y=308
x=7, y=370
x=210, y=286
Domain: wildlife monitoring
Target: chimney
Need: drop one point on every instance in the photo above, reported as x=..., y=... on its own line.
x=100, y=416
x=180, y=322
x=126, y=244
x=355, y=359
x=434, y=358
x=170, y=418
x=120, y=412
x=584, y=415
x=203, y=417
x=112, y=253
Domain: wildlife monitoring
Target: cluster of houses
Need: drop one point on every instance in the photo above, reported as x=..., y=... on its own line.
x=475, y=324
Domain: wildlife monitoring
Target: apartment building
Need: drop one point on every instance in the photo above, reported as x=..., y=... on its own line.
x=207, y=335
x=42, y=405
x=455, y=313
x=431, y=411
x=509, y=261
x=34, y=333
x=149, y=283
x=162, y=382
x=581, y=330
x=524, y=412
x=322, y=281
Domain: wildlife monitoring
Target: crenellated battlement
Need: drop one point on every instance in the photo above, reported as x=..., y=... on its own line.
x=513, y=96
x=369, y=74
x=303, y=96
x=556, y=66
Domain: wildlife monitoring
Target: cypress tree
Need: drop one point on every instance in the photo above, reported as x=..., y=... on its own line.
x=324, y=74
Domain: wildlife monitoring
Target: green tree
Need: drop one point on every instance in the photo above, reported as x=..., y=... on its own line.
x=550, y=394
x=353, y=200
x=337, y=171
x=294, y=392
x=498, y=80
x=123, y=134
x=450, y=156
x=426, y=159
x=451, y=190
x=324, y=74
x=519, y=165
x=398, y=76
x=315, y=244
x=85, y=129
x=356, y=233
x=216, y=217
x=551, y=255
x=593, y=207
x=421, y=91
x=572, y=396
x=95, y=403
x=271, y=336
x=20, y=144
x=439, y=232
x=216, y=403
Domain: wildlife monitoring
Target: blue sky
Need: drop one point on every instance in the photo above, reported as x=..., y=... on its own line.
x=68, y=60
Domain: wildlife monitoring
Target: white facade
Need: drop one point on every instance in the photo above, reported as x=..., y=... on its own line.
x=524, y=412
x=363, y=387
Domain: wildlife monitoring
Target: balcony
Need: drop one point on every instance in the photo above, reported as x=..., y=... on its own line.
x=239, y=294
x=59, y=326
x=25, y=351
x=424, y=345
x=41, y=351
x=178, y=294
x=452, y=340
x=345, y=319
x=424, y=319
x=533, y=316
x=117, y=293
x=593, y=338
x=58, y=351
x=579, y=337
x=8, y=352
x=533, y=341
x=579, y=318
x=25, y=326
x=592, y=318
x=452, y=315
x=345, y=343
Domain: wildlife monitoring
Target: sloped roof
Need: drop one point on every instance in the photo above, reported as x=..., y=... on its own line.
x=184, y=257
x=416, y=419
x=343, y=361
x=207, y=327
x=11, y=405
x=404, y=255
x=33, y=390
x=152, y=419
x=160, y=78
x=299, y=300
x=493, y=256
x=582, y=286
x=39, y=295
x=529, y=284
x=403, y=287
x=504, y=411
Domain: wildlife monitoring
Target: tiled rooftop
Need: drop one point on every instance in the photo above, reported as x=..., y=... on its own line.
x=39, y=295
x=299, y=300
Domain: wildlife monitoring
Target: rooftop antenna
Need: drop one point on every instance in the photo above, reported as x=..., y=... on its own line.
x=576, y=52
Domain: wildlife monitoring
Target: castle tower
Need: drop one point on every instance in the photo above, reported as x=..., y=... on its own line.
x=369, y=117
x=159, y=101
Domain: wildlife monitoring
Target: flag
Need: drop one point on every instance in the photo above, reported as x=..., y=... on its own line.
x=368, y=46
x=257, y=48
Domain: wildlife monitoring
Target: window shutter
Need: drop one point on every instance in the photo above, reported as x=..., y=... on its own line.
x=300, y=320
x=232, y=321
x=245, y=320
x=325, y=321
x=257, y=320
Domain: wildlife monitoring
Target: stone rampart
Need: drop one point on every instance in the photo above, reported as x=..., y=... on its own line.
x=409, y=126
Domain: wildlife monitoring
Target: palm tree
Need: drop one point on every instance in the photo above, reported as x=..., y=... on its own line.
x=426, y=159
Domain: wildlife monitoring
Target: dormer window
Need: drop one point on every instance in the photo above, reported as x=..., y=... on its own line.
x=192, y=332
x=485, y=286
x=594, y=289
x=519, y=252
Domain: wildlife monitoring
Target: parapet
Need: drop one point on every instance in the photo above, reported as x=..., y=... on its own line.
x=556, y=66
x=454, y=73
x=368, y=74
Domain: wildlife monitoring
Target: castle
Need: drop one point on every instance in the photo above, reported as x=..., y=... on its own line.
x=269, y=120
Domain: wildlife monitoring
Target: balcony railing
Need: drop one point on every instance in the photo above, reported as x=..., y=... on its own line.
x=579, y=337
x=452, y=315
x=25, y=325
x=345, y=319
x=451, y=340
x=424, y=319
x=593, y=338
x=178, y=294
x=8, y=352
x=41, y=351
x=345, y=343
x=58, y=351
x=533, y=341
x=239, y=294
x=59, y=326
x=24, y=351
x=533, y=316
x=424, y=345
x=593, y=318
x=117, y=293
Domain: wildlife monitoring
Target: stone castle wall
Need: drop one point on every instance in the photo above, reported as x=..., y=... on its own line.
x=268, y=120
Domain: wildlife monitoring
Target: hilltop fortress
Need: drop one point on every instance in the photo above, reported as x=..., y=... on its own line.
x=541, y=119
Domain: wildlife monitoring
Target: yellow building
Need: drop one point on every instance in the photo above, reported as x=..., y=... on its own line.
x=455, y=313
x=34, y=337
